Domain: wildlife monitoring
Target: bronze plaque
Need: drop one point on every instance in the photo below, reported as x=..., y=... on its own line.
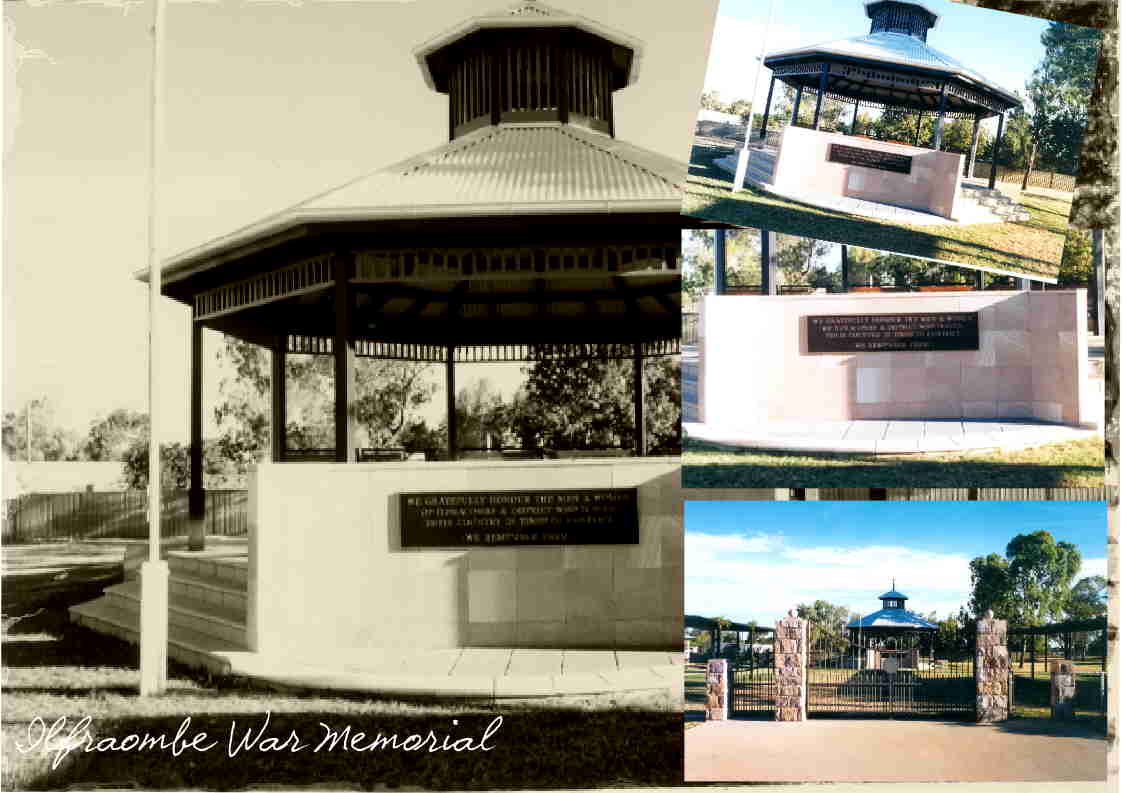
x=604, y=516
x=952, y=330
x=869, y=158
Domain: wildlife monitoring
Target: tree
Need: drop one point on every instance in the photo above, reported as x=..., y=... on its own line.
x=417, y=436
x=741, y=107
x=1076, y=263
x=242, y=413
x=1087, y=598
x=387, y=395
x=175, y=471
x=783, y=105
x=742, y=260
x=957, y=134
x=48, y=439
x=951, y=636
x=799, y=260
x=990, y=586
x=573, y=404
x=711, y=100
x=1058, y=92
x=702, y=640
x=111, y=437
x=877, y=268
x=828, y=623
x=1041, y=571
x=483, y=418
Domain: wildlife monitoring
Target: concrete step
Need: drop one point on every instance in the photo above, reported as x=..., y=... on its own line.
x=221, y=592
x=224, y=623
x=187, y=646
x=219, y=565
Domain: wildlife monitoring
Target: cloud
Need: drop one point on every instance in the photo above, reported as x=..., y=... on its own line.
x=1091, y=567
x=708, y=547
x=761, y=576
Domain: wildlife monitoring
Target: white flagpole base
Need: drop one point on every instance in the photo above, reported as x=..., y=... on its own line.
x=741, y=167
x=153, y=627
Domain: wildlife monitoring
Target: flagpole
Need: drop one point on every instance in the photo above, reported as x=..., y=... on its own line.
x=154, y=572
x=742, y=160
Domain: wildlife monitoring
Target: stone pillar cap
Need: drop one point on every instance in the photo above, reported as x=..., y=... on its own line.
x=989, y=614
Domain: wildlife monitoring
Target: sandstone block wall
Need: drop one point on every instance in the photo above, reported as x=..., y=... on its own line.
x=717, y=690
x=755, y=367
x=991, y=670
x=790, y=668
x=1063, y=690
x=803, y=165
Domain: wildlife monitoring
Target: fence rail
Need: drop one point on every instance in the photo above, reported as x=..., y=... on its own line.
x=45, y=517
x=1049, y=179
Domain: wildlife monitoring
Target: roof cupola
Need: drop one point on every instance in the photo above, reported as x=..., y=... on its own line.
x=892, y=16
x=529, y=63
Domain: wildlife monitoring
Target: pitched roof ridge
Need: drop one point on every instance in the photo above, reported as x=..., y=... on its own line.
x=613, y=153
x=443, y=152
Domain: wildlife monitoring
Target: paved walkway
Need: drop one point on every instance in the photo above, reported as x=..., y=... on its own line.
x=475, y=672
x=906, y=436
x=895, y=751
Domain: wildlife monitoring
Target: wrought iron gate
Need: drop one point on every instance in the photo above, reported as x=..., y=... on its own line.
x=752, y=691
x=847, y=679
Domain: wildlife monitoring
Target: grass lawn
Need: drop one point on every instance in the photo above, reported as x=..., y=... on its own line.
x=1035, y=245
x=53, y=669
x=1073, y=464
x=1031, y=694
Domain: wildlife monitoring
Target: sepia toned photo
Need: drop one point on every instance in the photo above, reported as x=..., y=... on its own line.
x=404, y=280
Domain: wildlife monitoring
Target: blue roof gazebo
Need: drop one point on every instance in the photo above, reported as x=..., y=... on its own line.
x=892, y=68
x=893, y=622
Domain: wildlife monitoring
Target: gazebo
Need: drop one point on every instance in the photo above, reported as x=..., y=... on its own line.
x=892, y=69
x=532, y=233
x=893, y=630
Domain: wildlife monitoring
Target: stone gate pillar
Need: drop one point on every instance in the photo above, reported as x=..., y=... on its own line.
x=717, y=690
x=790, y=668
x=991, y=670
x=1063, y=690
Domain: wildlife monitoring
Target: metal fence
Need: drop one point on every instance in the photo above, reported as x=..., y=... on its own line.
x=1048, y=179
x=752, y=690
x=1032, y=651
x=46, y=517
x=850, y=678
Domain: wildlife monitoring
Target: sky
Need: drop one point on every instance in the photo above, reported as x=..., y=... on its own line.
x=267, y=103
x=755, y=560
x=1004, y=47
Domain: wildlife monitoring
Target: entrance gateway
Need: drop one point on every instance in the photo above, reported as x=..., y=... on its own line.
x=884, y=665
x=533, y=234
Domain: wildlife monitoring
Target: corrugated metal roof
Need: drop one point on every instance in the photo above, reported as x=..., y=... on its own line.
x=522, y=165
x=893, y=618
x=511, y=169
x=896, y=48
